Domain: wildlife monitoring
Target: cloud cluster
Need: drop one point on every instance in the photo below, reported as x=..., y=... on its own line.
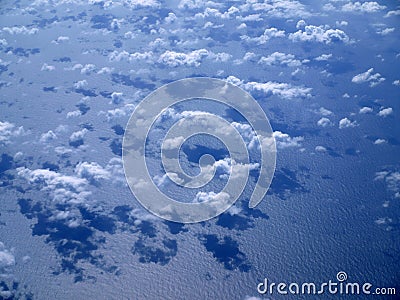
x=193, y=58
x=365, y=7
x=283, y=140
x=346, y=123
x=368, y=76
x=392, y=180
x=20, y=30
x=62, y=188
x=7, y=259
x=279, y=58
x=268, y=34
x=9, y=130
x=284, y=90
x=276, y=8
x=320, y=34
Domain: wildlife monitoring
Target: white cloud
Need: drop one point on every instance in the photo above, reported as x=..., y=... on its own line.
x=120, y=112
x=321, y=34
x=7, y=259
x=60, y=39
x=9, y=130
x=268, y=34
x=46, y=67
x=88, y=69
x=91, y=171
x=380, y=141
x=276, y=8
x=385, y=31
x=175, y=59
x=283, y=140
x=20, y=30
x=173, y=143
x=221, y=197
x=117, y=97
x=368, y=76
x=367, y=7
x=324, y=122
x=320, y=149
x=392, y=13
x=170, y=18
x=396, y=82
x=365, y=110
x=392, y=180
x=47, y=137
x=78, y=135
x=279, y=58
x=105, y=70
x=384, y=112
x=284, y=90
x=346, y=123
x=80, y=84
x=323, y=57
x=74, y=114
x=131, y=57
x=63, y=188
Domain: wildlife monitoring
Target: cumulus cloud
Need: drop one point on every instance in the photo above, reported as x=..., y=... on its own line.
x=346, y=123
x=279, y=58
x=9, y=130
x=117, y=113
x=60, y=39
x=366, y=7
x=386, y=31
x=380, y=141
x=392, y=180
x=392, y=13
x=131, y=57
x=47, y=137
x=20, y=30
x=384, y=112
x=193, y=58
x=365, y=110
x=320, y=149
x=62, y=188
x=321, y=34
x=368, y=76
x=284, y=90
x=88, y=69
x=276, y=8
x=7, y=259
x=268, y=34
x=324, y=122
x=46, y=67
x=92, y=171
x=77, y=137
x=80, y=84
x=283, y=140
x=323, y=57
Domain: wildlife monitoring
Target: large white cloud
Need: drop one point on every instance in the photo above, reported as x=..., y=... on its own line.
x=346, y=123
x=9, y=130
x=284, y=90
x=283, y=140
x=368, y=76
x=321, y=34
x=279, y=58
x=368, y=7
x=268, y=34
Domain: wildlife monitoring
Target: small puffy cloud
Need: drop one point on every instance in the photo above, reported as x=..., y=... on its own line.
x=368, y=76
x=116, y=97
x=396, y=82
x=131, y=57
x=220, y=198
x=91, y=171
x=346, y=123
x=392, y=180
x=268, y=34
x=173, y=143
x=114, y=114
x=7, y=259
x=80, y=84
x=276, y=8
x=74, y=114
x=365, y=110
x=301, y=24
x=88, y=69
x=47, y=137
x=283, y=140
x=366, y=7
x=384, y=112
x=20, y=30
x=321, y=34
x=175, y=59
x=279, y=58
x=284, y=90
x=323, y=57
x=385, y=31
x=170, y=18
x=320, y=149
x=380, y=141
x=60, y=39
x=105, y=70
x=46, y=67
x=77, y=136
x=392, y=13
x=324, y=122
x=9, y=130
